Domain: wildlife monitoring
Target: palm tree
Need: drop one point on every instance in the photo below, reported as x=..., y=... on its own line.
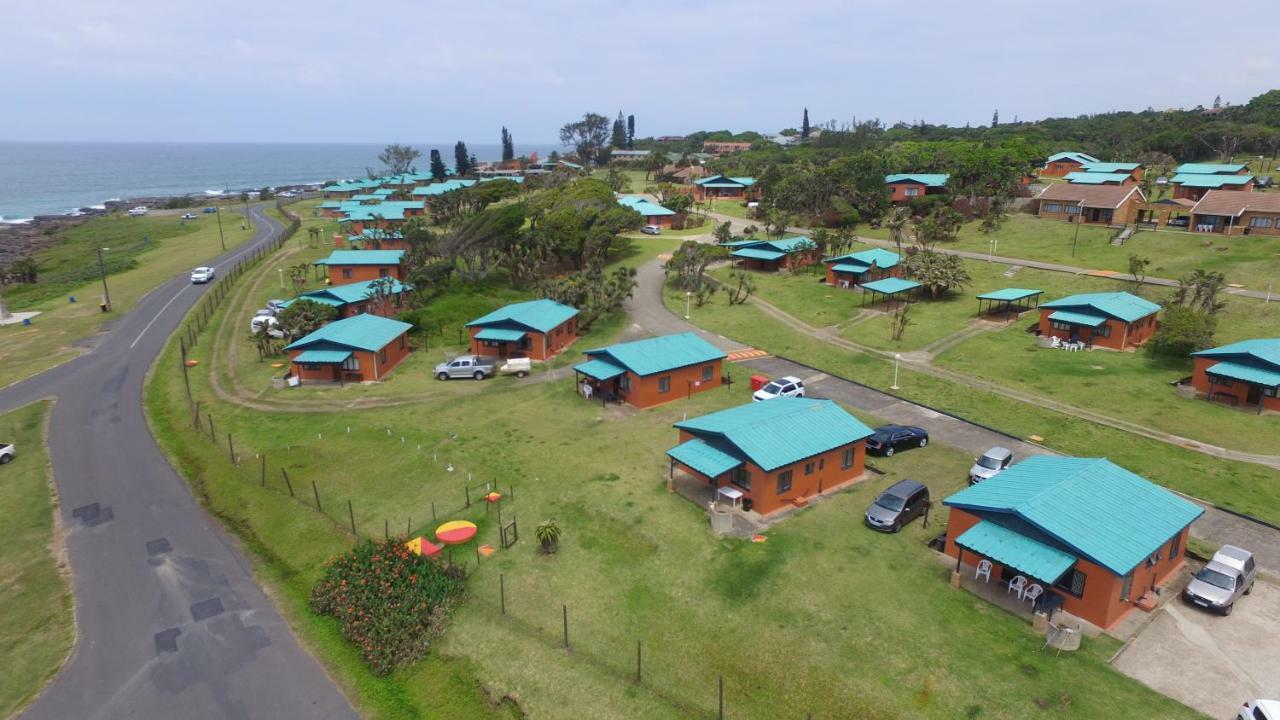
x=548, y=535
x=898, y=219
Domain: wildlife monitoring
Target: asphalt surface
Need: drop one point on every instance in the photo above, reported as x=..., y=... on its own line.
x=170, y=621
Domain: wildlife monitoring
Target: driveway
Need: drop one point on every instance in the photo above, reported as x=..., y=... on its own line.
x=1206, y=661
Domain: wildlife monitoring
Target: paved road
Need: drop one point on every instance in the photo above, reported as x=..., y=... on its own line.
x=170, y=621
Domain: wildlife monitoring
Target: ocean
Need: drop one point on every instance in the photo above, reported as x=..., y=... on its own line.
x=54, y=178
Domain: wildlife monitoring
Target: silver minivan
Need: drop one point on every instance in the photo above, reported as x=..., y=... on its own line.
x=1229, y=575
x=990, y=463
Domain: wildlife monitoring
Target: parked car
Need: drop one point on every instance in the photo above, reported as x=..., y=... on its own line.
x=518, y=366
x=651, y=230
x=888, y=439
x=1259, y=710
x=905, y=501
x=1264, y=181
x=789, y=386
x=267, y=320
x=989, y=464
x=1179, y=221
x=465, y=366
x=275, y=306
x=202, y=275
x=188, y=216
x=138, y=211
x=209, y=210
x=1227, y=576
x=6, y=453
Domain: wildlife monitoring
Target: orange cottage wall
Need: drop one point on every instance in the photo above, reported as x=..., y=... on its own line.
x=372, y=365
x=1059, y=168
x=1123, y=335
x=541, y=346
x=684, y=381
x=343, y=274
x=1238, y=390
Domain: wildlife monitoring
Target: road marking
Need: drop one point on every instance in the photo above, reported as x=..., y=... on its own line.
x=748, y=354
x=157, y=317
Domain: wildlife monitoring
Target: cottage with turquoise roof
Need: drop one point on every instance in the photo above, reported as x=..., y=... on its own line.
x=772, y=455
x=1080, y=535
x=1113, y=320
x=650, y=372
x=383, y=297
x=863, y=266
x=1059, y=164
x=721, y=187
x=772, y=255
x=1242, y=374
x=360, y=348
x=904, y=187
x=537, y=329
x=652, y=212
x=347, y=266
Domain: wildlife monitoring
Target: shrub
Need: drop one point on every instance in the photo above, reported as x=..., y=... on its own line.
x=548, y=535
x=388, y=601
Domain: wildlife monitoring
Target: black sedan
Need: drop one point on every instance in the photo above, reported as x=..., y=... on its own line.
x=888, y=439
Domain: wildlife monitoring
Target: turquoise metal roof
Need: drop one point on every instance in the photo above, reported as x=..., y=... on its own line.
x=926, y=179
x=1070, y=155
x=704, y=458
x=850, y=268
x=500, y=334
x=1120, y=305
x=1074, y=318
x=1210, y=181
x=1008, y=547
x=541, y=315
x=1095, y=178
x=880, y=257
x=1210, y=168
x=1236, y=371
x=891, y=285
x=779, y=432
x=1009, y=294
x=723, y=181
x=362, y=257
x=643, y=206
x=358, y=332
x=1124, y=168
x=659, y=354
x=441, y=188
x=323, y=357
x=756, y=253
x=338, y=295
x=599, y=369
x=1266, y=350
x=1092, y=506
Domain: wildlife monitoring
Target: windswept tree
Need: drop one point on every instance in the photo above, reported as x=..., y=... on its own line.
x=305, y=316
x=631, y=132
x=473, y=246
x=653, y=163
x=399, y=159
x=582, y=219
x=618, y=138
x=804, y=125
x=688, y=265
x=587, y=137
x=438, y=170
x=461, y=159
x=594, y=292
x=381, y=295
x=508, y=146
x=938, y=272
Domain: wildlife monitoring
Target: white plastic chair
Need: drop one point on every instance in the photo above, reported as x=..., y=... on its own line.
x=1055, y=342
x=983, y=570
x=1032, y=592
x=1016, y=585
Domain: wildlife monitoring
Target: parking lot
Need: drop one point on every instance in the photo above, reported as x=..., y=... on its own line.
x=1210, y=662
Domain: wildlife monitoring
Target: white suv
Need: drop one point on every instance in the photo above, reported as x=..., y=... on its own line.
x=202, y=275
x=788, y=386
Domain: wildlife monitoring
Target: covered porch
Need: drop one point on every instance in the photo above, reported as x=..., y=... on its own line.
x=1075, y=327
x=599, y=380
x=758, y=258
x=326, y=366
x=1011, y=302
x=1242, y=386
x=502, y=342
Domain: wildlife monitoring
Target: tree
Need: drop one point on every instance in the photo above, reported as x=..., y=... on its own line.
x=938, y=272
x=678, y=202
x=438, y=170
x=586, y=136
x=461, y=159
x=398, y=159
x=313, y=236
x=381, y=296
x=723, y=232
x=631, y=132
x=653, y=162
x=23, y=270
x=298, y=276
x=473, y=246
x=1199, y=290
x=581, y=219
x=594, y=292
x=1138, y=269
x=740, y=286
x=804, y=125
x=264, y=343
x=617, y=179
x=940, y=226
x=304, y=316
x=508, y=147
x=618, y=138
x=995, y=119
x=1182, y=331
x=898, y=223
x=901, y=319
x=690, y=261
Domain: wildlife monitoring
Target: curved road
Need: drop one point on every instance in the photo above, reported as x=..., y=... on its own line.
x=170, y=621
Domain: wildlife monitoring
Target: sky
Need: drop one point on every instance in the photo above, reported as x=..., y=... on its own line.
x=424, y=70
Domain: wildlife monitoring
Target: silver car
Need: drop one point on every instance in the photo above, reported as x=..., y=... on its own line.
x=991, y=462
x=1229, y=575
x=464, y=366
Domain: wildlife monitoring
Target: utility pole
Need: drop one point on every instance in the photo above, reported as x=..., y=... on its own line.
x=106, y=294
x=223, y=238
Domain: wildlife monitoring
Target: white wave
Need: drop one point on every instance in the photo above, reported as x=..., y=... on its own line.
x=213, y=193
x=14, y=221
x=97, y=207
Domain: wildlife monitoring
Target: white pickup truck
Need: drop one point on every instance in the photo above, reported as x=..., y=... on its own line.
x=6, y=452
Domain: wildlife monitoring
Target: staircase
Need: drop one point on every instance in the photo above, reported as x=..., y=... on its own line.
x=1122, y=236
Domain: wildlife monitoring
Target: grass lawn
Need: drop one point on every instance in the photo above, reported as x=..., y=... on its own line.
x=1244, y=487
x=636, y=563
x=136, y=266
x=1252, y=261
x=37, y=627
x=732, y=208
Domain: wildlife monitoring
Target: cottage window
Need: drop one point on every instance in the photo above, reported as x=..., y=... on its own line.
x=1103, y=331
x=1261, y=222
x=707, y=373
x=310, y=367
x=401, y=345
x=741, y=478
x=383, y=272
x=346, y=273
x=664, y=384
x=808, y=468
x=382, y=356
x=784, y=482
x=1052, y=207
x=1072, y=582
x=911, y=191
x=846, y=461
x=1073, y=209
x=624, y=383
x=1223, y=381
x=351, y=363
x=1126, y=588
x=1059, y=325
x=1175, y=546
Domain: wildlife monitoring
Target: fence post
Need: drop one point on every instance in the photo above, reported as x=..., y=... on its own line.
x=468, y=491
x=566, y=625
x=386, y=529
x=721, y=697
x=502, y=593
x=433, y=511
x=196, y=423
x=638, y=662
x=352, y=514
x=264, y=469
x=316, y=492
x=231, y=450
x=286, y=482
x=213, y=438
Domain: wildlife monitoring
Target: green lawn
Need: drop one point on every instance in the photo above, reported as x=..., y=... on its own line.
x=37, y=627
x=1244, y=487
x=732, y=208
x=1251, y=261
x=637, y=563
x=136, y=266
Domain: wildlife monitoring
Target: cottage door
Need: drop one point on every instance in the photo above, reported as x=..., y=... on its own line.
x=1255, y=395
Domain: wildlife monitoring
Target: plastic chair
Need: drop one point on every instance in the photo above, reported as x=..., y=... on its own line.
x=1016, y=585
x=1032, y=592
x=983, y=570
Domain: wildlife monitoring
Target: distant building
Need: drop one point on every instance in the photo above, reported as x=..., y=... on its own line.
x=628, y=155
x=1242, y=373
x=650, y=372
x=904, y=187
x=1114, y=320
x=538, y=329
x=1059, y=164
x=1237, y=213
x=1094, y=204
x=721, y=187
x=719, y=148
x=773, y=255
x=654, y=214
x=348, y=266
x=354, y=349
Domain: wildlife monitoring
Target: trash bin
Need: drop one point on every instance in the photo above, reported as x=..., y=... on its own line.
x=758, y=381
x=102, y=306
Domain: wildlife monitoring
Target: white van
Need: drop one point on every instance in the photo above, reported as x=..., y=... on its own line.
x=269, y=322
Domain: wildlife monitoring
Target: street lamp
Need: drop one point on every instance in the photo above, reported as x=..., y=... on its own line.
x=688, y=297
x=1075, y=237
x=281, y=271
x=897, y=357
x=991, y=249
x=102, y=268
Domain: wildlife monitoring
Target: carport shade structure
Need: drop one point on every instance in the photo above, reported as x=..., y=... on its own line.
x=1006, y=299
x=890, y=288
